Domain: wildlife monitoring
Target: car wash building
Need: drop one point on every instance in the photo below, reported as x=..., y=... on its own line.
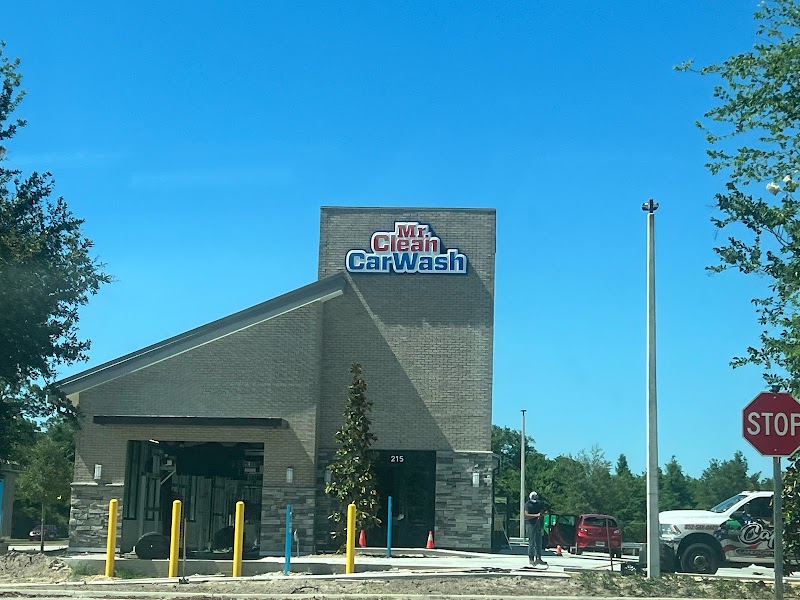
x=246, y=407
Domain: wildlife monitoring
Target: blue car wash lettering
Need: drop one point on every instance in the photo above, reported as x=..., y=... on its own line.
x=411, y=248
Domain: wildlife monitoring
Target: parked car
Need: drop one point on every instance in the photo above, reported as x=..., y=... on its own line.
x=584, y=532
x=598, y=532
x=50, y=533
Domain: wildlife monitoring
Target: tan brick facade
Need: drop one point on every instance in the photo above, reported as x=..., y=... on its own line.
x=425, y=342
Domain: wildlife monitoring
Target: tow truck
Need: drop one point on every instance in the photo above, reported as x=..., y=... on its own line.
x=738, y=531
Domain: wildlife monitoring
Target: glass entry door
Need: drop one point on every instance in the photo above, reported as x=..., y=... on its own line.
x=409, y=477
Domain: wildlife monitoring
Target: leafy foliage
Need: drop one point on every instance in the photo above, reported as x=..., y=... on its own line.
x=48, y=470
x=753, y=133
x=584, y=483
x=626, y=489
x=723, y=479
x=352, y=478
x=674, y=492
x=46, y=274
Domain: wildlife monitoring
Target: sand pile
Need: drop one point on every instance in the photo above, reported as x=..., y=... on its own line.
x=32, y=567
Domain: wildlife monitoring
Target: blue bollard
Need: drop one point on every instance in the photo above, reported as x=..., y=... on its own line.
x=389, y=530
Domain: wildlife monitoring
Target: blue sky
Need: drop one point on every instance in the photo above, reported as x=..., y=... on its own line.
x=199, y=140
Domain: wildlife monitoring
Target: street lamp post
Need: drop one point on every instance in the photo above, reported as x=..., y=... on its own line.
x=653, y=545
x=522, y=480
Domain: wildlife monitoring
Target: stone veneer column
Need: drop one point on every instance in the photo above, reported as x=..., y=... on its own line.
x=325, y=504
x=273, y=517
x=463, y=512
x=88, y=514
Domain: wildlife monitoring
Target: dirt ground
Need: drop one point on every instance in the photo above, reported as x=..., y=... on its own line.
x=503, y=585
x=28, y=567
x=23, y=567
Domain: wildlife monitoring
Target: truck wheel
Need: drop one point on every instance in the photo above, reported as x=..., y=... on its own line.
x=699, y=558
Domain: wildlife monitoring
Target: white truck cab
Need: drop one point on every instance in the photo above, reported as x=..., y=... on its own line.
x=738, y=530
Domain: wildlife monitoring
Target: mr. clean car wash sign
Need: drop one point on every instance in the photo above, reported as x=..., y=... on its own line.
x=771, y=423
x=410, y=248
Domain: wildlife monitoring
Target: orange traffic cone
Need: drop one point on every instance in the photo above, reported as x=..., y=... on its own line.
x=362, y=540
x=429, y=545
x=558, y=550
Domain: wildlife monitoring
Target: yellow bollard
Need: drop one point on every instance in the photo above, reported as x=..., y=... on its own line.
x=175, y=538
x=350, y=565
x=238, y=539
x=111, y=544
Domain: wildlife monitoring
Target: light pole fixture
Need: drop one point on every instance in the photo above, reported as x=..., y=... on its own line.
x=652, y=538
x=522, y=479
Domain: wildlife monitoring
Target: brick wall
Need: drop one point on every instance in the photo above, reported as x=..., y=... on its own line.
x=268, y=370
x=425, y=341
x=426, y=345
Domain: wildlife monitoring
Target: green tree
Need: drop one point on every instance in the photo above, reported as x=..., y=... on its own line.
x=17, y=434
x=47, y=474
x=568, y=486
x=753, y=132
x=628, y=492
x=622, y=469
x=506, y=445
x=628, y=500
x=674, y=488
x=723, y=479
x=596, y=480
x=352, y=477
x=46, y=274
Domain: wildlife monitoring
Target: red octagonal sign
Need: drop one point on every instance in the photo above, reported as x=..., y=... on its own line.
x=771, y=423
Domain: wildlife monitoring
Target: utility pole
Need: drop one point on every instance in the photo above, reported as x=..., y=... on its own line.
x=522, y=480
x=653, y=544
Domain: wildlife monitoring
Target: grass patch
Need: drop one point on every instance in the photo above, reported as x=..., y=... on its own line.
x=123, y=573
x=82, y=570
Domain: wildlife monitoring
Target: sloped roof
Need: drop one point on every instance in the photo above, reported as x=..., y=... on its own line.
x=319, y=291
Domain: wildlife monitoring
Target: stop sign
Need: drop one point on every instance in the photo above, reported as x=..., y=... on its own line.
x=771, y=423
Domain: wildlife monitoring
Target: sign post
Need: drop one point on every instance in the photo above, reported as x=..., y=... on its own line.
x=771, y=423
x=777, y=508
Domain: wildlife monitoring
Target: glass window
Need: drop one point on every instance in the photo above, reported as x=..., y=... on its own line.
x=723, y=506
x=759, y=508
x=599, y=522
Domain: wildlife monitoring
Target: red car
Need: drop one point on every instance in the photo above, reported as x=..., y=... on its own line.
x=598, y=532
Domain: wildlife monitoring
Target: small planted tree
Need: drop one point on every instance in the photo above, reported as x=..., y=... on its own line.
x=46, y=477
x=352, y=478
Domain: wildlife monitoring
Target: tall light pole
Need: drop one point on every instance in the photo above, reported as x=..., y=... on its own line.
x=522, y=480
x=653, y=545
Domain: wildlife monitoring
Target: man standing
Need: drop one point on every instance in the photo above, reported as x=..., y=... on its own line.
x=534, y=511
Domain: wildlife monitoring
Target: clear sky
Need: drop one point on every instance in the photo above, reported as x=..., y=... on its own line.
x=199, y=140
